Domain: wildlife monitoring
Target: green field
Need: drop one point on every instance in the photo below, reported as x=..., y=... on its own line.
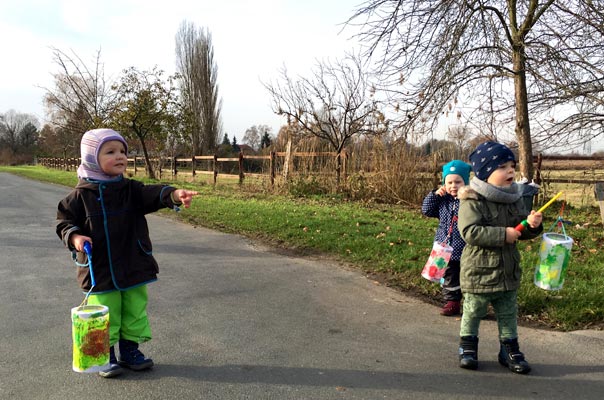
x=391, y=243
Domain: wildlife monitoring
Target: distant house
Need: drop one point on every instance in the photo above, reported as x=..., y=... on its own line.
x=246, y=149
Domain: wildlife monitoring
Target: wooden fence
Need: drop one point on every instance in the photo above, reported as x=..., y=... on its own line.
x=216, y=166
x=191, y=166
x=589, y=165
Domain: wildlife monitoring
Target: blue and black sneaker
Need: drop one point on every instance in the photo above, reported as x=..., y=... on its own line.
x=131, y=357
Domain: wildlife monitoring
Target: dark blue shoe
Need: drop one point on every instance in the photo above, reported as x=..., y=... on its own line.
x=468, y=352
x=114, y=369
x=510, y=356
x=131, y=357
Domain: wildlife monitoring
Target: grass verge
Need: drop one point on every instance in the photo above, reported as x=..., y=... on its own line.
x=391, y=243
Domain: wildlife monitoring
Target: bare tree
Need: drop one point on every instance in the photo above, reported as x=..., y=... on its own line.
x=515, y=59
x=16, y=131
x=334, y=104
x=460, y=134
x=199, y=86
x=254, y=135
x=82, y=99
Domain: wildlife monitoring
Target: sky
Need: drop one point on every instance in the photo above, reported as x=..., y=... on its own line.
x=252, y=41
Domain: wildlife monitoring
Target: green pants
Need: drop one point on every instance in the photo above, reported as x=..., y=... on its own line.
x=127, y=314
x=475, y=308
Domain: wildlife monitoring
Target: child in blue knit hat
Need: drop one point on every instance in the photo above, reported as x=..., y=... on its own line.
x=108, y=211
x=443, y=204
x=490, y=207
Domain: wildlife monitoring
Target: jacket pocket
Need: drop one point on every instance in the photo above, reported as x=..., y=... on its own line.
x=145, y=247
x=487, y=271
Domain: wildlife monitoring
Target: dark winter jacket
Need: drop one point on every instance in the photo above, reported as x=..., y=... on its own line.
x=488, y=263
x=445, y=208
x=112, y=214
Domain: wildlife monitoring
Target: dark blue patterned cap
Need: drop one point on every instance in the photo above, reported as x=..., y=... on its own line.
x=488, y=156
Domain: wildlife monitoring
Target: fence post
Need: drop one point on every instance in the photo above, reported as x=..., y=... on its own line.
x=599, y=191
x=215, y=168
x=272, y=168
x=193, y=166
x=287, y=161
x=241, y=175
x=345, y=165
x=174, y=169
x=338, y=169
x=134, y=165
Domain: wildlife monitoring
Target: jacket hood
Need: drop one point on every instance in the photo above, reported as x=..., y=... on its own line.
x=467, y=193
x=90, y=146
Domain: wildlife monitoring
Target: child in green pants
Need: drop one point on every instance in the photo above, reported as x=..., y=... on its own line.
x=108, y=211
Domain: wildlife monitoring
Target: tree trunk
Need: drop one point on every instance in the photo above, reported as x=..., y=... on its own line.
x=523, y=129
x=149, y=167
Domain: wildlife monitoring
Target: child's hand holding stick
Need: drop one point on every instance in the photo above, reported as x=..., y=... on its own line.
x=520, y=227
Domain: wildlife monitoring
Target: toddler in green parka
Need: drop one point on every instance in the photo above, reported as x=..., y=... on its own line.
x=490, y=207
x=108, y=211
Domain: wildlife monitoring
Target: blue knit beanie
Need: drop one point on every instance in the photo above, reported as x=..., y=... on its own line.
x=89, y=147
x=457, y=167
x=488, y=156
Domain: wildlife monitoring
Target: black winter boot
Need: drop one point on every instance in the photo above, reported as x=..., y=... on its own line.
x=131, y=357
x=511, y=357
x=468, y=352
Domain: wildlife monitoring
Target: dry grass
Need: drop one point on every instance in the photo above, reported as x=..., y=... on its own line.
x=577, y=194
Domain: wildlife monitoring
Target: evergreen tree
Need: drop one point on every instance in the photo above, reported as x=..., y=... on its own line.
x=266, y=141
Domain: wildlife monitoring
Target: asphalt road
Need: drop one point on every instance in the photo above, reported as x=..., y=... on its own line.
x=233, y=320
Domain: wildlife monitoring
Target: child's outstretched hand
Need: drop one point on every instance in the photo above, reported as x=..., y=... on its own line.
x=184, y=196
x=441, y=191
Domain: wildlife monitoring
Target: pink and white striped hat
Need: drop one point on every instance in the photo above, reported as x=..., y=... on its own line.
x=89, y=147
